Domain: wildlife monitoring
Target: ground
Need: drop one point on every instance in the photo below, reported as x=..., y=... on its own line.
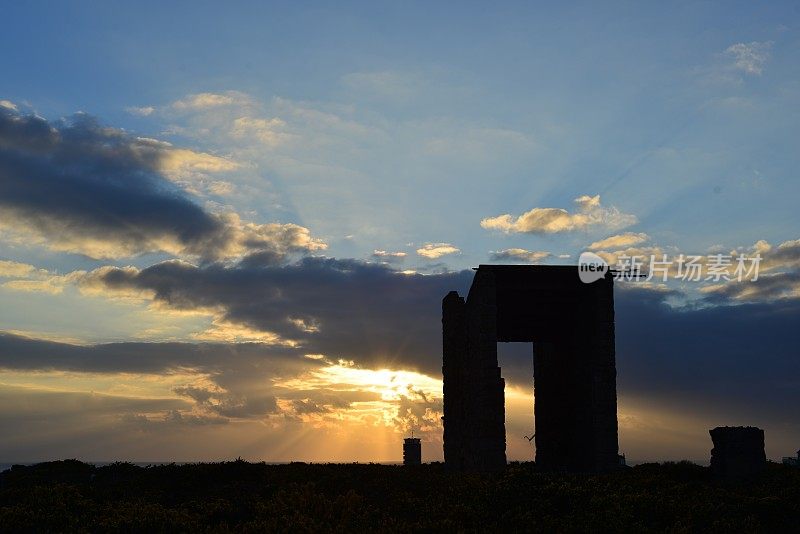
x=241, y=496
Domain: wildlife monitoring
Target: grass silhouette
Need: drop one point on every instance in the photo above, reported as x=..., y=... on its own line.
x=219, y=497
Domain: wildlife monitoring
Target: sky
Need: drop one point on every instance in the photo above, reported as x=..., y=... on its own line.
x=226, y=230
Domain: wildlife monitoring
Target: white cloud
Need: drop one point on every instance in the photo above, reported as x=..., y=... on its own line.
x=8, y=105
x=389, y=257
x=531, y=256
x=189, y=169
x=273, y=237
x=437, y=250
x=210, y=100
x=622, y=240
x=27, y=278
x=229, y=332
x=268, y=131
x=141, y=111
x=181, y=162
x=221, y=188
x=13, y=269
x=749, y=57
x=48, y=283
x=556, y=220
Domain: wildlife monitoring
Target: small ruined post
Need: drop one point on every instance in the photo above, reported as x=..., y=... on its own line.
x=738, y=451
x=412, y=451
x=791, y=460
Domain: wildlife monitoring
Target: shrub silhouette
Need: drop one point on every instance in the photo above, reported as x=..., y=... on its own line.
x=73, y=496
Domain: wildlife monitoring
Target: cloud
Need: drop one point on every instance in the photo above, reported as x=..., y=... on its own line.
x=320, y=305
x=267, y=131
x=210, y=100
x=29, y=402
x=785, y=256
x=22, y=353
x=627, y=239
x=520, y=254
x=48, y=283
x=778, y=275
x=76, y=186
x=170, y=418
x=192, y=171
x=433, y=251
x=93, y=190
x=389, y=257
x=13, y=269
x=749, y=58
x=237, y=378
x=556, y=220
x=733, y=357
x=28, y=278
x=768, y=287
x=215, y=383
x=141, y=111
x=244, y=406
x=228, y=332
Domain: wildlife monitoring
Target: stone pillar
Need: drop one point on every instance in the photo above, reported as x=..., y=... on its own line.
x=484, y=386
x=454, y=361
x=603, y=386
x=552, y=405
x=738, y=451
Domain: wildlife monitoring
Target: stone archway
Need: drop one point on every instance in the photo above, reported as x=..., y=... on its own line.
x=572, y=327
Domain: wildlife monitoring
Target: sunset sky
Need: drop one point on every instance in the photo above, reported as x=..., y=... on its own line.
x=226, y=230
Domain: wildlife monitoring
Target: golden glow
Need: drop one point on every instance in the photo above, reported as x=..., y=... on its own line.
x=390, y=384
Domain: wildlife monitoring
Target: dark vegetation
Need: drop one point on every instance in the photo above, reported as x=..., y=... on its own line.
x=240, y=496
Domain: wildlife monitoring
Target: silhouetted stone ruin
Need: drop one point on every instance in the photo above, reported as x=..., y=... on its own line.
x=793, y=462
x=412, y=451
x=571, y=325
x=738, y=451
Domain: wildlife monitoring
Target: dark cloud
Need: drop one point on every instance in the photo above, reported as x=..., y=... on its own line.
x=737, y=362
x=305, y=407
x=22, y=353
x=767, y=288
x=25, y=402
x=42, y=425
x=519, y=254
x=78, y=183
x=326, y=397
x=384, y=256
x=81, y=187
x=241, y=401
x=341, y=308
x=171, y=418
x=242, y=373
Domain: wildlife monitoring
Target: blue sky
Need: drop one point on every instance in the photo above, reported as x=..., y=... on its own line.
x=392, y=137
x=638, y=103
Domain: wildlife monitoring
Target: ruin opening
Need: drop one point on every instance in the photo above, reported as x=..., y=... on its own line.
x=571, y=324
x=515, y=360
